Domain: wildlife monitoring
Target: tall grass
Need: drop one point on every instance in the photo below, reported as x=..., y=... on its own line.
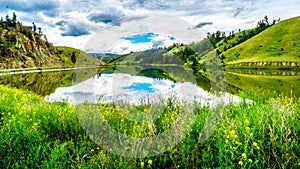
x=37, y=134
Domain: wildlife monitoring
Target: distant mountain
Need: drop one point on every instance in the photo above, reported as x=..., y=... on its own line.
x=99, y=55
x=21, y=47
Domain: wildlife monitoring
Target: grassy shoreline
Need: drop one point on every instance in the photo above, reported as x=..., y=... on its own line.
x=43, y=69
x=38, y=134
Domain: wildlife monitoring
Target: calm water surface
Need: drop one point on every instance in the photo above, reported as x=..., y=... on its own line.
x=149, y=86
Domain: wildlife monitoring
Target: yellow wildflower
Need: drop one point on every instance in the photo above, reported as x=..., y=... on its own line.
x=35, y=124
x=244, y=155
x=247, y=122
x=240, y=163
x=226, y=141
x=248, y=128
x=250, y=160
x=255, y=144
x=236, y=136
x=149, y=162
x=232, y=132
x=142, y=164
x=251, y=134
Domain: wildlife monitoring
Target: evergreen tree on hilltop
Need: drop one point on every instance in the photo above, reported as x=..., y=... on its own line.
x=14, y=19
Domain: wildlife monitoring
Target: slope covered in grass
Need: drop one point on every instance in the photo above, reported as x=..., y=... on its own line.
x=278, y=43
x=76, y=57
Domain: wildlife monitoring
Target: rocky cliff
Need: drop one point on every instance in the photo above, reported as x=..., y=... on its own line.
x=21, y=47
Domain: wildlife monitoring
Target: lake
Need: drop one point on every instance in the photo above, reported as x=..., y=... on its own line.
x=139, y=85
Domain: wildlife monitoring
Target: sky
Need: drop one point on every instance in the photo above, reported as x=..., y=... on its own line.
x=74, y=22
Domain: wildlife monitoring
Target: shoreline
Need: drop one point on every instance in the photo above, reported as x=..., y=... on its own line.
x=5, y=72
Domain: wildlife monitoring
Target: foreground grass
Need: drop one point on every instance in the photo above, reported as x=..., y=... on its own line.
x=36, y=134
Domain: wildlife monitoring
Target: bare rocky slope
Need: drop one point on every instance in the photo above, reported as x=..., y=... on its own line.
x=21, y=47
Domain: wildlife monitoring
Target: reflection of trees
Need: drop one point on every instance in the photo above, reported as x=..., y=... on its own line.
x=253, y=81
x=47, y=82
x=39, y=83
x=173, y=73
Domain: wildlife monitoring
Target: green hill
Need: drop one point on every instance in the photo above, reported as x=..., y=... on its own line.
x=147, y=57
x=277, y=46
x=75, y=57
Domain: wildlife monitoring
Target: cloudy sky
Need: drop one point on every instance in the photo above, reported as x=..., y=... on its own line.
x=74, y=22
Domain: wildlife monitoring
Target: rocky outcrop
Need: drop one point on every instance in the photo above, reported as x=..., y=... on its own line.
x=20, y=47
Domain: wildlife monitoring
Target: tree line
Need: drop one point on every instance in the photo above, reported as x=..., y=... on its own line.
x=262, y=25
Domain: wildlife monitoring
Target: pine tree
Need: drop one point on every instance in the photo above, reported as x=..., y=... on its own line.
x=7, y=18
x=14, y=19
x=266, y=20
x=73, y=57
x=33, y=26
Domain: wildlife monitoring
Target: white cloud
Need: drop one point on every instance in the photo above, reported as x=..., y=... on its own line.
x=126, y=46
x=167, y=25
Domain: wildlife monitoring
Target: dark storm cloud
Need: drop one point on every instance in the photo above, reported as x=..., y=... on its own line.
x=119, y=21
x=48, y=7
x=151, y=5
x=105, y=18
x=238, y=11
x=75, y=30
x=61, y=23
x=200, y=25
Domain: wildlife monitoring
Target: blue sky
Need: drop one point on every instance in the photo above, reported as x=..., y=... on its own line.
x=141, y=38
x=73, y=22
x=141, y=86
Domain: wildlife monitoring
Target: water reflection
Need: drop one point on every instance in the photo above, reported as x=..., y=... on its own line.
x=136, y=84
x=130, y=89
x=282, y=82
x=39, y=83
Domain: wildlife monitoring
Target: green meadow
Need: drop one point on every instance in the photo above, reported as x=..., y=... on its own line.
x=276, y=44
x=39, y=134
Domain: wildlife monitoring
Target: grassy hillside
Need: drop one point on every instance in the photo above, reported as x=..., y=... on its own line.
x=148, y=57
x=278, y=43
x=76, y=57
x=278, y=46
